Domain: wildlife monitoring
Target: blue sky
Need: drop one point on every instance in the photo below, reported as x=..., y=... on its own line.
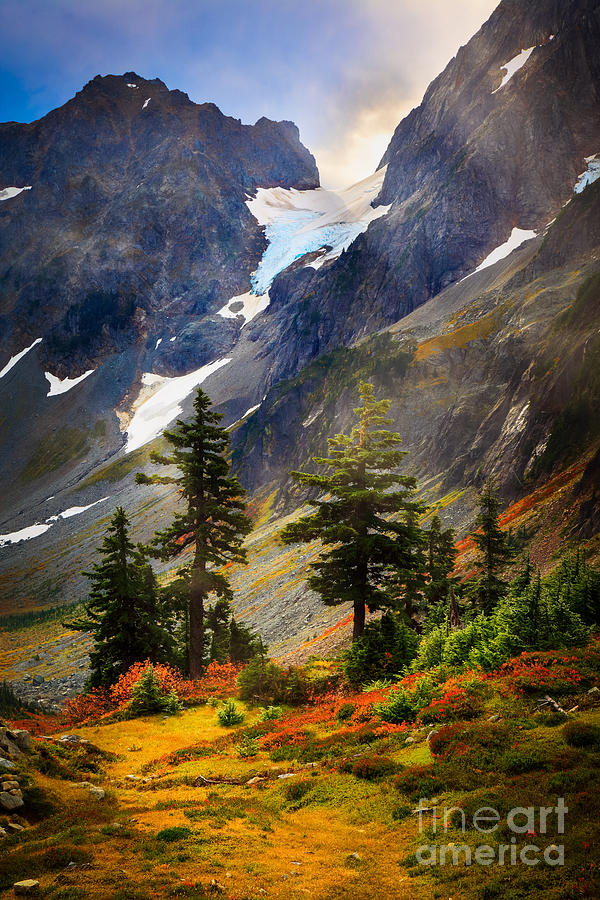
x=346, y=71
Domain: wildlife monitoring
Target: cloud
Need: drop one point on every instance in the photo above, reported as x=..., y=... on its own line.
x=346, y=71
x=404, y=45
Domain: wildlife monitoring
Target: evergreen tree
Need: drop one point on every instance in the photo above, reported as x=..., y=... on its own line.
x=228, y=639
x=123, y=612
x=441, y=555
x=213, y=522
x=366, y=548
x=494, y=551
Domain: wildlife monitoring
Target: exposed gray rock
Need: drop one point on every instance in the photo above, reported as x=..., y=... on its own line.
x=10, y=801
x=29, y=886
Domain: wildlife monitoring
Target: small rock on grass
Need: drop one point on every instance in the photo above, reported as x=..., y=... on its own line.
x=97, y=793
x=29, y=886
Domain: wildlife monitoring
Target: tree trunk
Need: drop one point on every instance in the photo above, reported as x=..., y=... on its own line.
x=359, y=619
x=196, y=646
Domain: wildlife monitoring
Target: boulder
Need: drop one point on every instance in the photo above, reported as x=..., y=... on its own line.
x=21, y=738
x=6, y=763
x=26, y=887
x=8, y=745
x=10, y=802
x=97, y=793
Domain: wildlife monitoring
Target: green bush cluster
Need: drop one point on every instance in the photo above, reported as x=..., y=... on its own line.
x=230, y=714
x=148, y=696
x=555, y=612
x=404, y=705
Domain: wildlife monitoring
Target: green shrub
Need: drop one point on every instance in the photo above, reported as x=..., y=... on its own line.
x=149, y=696
x=402, y=705
x=370, y=768
x=295, y=790
x=578, y=734
x=248, y=747
x=345, y=712
x=230, y=714
x=385, y=648
x=270, y=713
x=173, y=834
x=397, y=708
x=517, y=762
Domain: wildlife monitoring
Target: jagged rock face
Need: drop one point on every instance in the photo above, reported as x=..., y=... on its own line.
x=473, y=161
x=497, y=376
x=135, y=225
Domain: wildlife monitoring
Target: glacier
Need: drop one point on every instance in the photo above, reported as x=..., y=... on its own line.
x=591, y=174
x=300, y=222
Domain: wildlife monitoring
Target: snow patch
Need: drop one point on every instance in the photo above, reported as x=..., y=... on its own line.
x=62, y=385
x=513, y=65
x=25, y=534
x=591, y=174
x=158, y=343
x=15, y=359
x=172, y=339
x=10, y=192
x=517, y=237
x=131, y=85
x=146, y=102
x=301, y=222
x=245, y=416
x=74, y=511
x=252, y=305
x=161, y=408
x=32, y=531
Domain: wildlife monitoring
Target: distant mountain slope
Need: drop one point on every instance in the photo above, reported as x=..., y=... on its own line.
x=472, y=162
x=133, y=222
x=461, y=278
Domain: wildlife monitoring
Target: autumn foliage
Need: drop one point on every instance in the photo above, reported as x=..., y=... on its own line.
x=218, y=681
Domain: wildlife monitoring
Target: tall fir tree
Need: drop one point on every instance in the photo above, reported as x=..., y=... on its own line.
x=441, y=556
x=494, y=551
x=366, y=516
x=213, y=522
x=123, y=612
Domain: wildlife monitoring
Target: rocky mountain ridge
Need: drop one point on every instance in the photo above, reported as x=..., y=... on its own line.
x=488, y=355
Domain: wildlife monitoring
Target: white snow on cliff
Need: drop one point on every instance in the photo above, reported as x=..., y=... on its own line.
x=517, y=237
x=245, y=416
x=10, y=192
x=146, y=102
x=153, y=416
x=15, y=359
x=62, y=385
x=513, y=65
x=247, y=305
x=591, y=174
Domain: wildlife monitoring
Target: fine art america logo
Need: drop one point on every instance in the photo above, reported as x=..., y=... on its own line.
x=521, y=820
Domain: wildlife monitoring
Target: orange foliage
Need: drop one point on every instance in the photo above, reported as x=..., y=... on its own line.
x=218, y=680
